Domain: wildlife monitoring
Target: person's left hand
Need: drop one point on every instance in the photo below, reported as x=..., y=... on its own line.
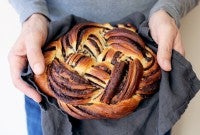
x=166, y=34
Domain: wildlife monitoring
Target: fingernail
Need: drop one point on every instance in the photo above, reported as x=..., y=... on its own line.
x=167, y=65
x=38, y=68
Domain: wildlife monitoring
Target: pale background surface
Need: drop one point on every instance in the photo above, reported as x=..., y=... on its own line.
x=12, y=115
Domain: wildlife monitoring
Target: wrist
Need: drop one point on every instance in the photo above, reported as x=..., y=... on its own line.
x=169, y=9
x=37, y=25
x=161, y=17
x=38, y=16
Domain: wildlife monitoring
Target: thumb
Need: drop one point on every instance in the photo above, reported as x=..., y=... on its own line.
x=165, y=45
x=34, y=53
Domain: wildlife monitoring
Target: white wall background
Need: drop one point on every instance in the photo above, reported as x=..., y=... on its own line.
x=12, y=115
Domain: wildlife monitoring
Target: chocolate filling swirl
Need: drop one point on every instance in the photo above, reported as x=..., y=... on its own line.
x=98, y=71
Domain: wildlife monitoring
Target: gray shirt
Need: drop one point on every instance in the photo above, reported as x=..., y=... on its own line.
x=101, y=10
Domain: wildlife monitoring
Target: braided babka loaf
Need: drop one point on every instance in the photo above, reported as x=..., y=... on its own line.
x=99, y=71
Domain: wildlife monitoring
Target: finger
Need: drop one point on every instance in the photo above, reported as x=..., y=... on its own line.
x=17, y=64
x=165, y=45
x=34, y=53
x=178, y=45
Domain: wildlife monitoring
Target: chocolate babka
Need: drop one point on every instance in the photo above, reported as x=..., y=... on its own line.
x=99, y=71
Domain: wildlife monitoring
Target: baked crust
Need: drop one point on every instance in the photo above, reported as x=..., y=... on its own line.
x=98, y=71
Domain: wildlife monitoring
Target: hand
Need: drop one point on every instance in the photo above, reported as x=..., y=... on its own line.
x=27, y=48
x=166, y=34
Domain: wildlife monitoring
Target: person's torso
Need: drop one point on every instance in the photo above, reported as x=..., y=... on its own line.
x=98, y=10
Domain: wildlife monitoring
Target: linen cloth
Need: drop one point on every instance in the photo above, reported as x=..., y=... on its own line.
x=154, y=116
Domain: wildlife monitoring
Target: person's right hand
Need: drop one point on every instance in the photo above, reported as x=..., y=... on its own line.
x=166, y=34
x=27, y=48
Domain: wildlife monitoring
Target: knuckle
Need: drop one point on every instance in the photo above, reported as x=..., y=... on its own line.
x=16, y=83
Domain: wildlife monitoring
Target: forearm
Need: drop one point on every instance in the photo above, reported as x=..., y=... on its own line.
x=175, y=8
x=25, y=8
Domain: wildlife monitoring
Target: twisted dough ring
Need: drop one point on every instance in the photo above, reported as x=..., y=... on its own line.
x=98, y=71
